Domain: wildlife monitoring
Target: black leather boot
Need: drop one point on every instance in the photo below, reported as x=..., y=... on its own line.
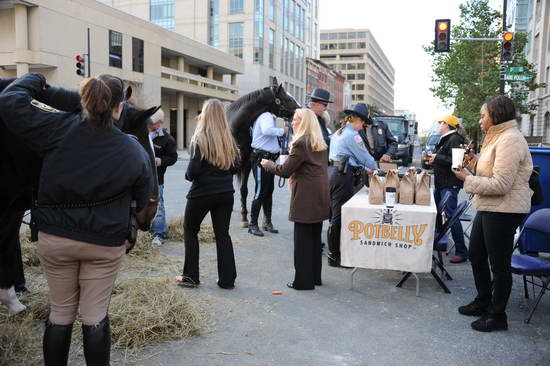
x=97, y=343
x=268, y=226
x=254, y=230
x=333, y=260
x=491, y=322
x=56, y=344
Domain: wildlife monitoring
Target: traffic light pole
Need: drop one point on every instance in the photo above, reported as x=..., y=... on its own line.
x=504, y=28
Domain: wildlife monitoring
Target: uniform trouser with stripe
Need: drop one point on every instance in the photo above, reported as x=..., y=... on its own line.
x=263, y=192
x=341, y=190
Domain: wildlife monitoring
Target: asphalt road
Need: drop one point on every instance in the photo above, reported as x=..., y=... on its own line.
x=373, y=324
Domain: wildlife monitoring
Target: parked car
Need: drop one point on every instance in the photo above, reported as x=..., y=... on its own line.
x=429, y=149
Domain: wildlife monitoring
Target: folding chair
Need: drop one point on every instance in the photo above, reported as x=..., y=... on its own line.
x=525, y=265
x=467, y=218
x=440, y=245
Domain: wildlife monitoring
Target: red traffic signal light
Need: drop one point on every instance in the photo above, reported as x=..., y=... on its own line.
x=80, y=65
x=442, y=41
x=507, y=46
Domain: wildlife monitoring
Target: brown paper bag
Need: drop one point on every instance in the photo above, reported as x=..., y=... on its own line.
x=423, y=195
x=376, y=189
x=387, y=166
x=392, y=179
x=407, y=187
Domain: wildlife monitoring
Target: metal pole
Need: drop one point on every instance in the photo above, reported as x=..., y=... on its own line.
x=504, y=6
x=89, y=59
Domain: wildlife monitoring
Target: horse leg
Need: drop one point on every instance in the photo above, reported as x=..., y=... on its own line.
x=245, y=173
x=9, y=257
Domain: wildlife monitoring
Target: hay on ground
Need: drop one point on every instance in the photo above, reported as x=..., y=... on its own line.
x=175, y=231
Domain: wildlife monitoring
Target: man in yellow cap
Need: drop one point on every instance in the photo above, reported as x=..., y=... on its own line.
x=446, y=181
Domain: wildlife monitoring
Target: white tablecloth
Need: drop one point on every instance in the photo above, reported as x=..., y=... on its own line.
x=378, y=237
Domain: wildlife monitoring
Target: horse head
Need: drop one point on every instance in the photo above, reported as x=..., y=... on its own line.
x=284, y=103
x=133, y=121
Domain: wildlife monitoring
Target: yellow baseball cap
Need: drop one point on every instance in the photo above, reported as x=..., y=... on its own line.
x=450, y=120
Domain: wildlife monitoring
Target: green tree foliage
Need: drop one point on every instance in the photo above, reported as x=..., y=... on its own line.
x=470, y=73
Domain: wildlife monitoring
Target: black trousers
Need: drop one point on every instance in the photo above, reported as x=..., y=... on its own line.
x=307, y=255
x=341, y=190
x=220, y=207
x=491, y=247
x=11, y=265
x=263, y=192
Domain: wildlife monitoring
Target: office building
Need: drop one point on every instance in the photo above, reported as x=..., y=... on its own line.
x=356, y=54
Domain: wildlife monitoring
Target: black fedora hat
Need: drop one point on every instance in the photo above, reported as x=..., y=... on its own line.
x=320, y=95
x=360, y=110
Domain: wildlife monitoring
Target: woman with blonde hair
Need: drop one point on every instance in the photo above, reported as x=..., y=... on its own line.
x=309, y=204
x=211, y=168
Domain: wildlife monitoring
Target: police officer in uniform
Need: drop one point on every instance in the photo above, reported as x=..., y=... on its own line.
x=318, y=102
x=378, y=139
x=348, y=157
x=265, y=145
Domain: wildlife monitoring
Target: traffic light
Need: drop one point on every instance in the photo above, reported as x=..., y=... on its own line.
x=507, y=46
x=80, y=65
x=442, y=35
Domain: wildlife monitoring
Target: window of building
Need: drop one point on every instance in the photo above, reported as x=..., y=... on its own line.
x=302, y=64
x=137, y=54
x=361, y=35
x=287, y=56
x=292, y=59
x=360, y=97
x=352, y=66
x=361, y=45
x=115, y=49
x=360, y=66
x=214, y=26
x=236, y=39
x=271, y=48
x=342, y=35
x=332, y=46
x=259, y=31
x=297, y=25
x=360, y=76
x=236, y=6
x=285, y=14
x=350, y=76
x=333, y=36
x=303, y=24
x=324, y=46
x=324, y=36
x=352, y=45
x=352, y=35
x=161, y=13
x=341, y=46
x=271, y=12
x=292, y=4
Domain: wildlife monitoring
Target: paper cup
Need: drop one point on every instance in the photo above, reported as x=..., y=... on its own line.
x=458, y=158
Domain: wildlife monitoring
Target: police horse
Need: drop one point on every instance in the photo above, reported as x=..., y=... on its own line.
x=241, y=115
x=20, y=171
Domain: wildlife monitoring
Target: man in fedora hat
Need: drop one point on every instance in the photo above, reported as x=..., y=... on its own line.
x=377, y=136
x=318, y=101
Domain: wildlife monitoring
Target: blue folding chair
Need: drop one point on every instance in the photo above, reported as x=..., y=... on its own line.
x=525, y=265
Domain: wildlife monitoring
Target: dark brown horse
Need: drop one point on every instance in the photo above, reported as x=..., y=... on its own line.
x=242, y=113
x=20, y=169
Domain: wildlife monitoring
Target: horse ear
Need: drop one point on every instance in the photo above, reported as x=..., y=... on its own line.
x=149, y=112
x=275, y=82
x=280, y=88
x=128, y=93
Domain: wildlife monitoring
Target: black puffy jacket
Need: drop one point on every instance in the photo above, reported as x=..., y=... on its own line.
x=165, y=149
x=82, y=166
x=443, y=175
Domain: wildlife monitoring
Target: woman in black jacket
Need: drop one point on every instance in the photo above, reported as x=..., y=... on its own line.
x=213, y=163
x=82, y=205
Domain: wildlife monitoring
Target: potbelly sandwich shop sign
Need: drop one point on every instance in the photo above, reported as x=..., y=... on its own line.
x=379, y=237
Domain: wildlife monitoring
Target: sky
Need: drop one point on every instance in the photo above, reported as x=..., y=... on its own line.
x=401, y=28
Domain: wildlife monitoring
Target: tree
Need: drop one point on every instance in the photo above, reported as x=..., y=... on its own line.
x=469, y=74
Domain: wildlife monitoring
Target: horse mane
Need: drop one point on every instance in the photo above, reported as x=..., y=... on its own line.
x=245, y=99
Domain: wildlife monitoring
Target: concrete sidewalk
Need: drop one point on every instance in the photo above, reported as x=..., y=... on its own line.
x=373, y=324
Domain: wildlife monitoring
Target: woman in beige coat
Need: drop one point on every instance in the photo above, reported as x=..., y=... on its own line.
x=502, y=198
x=310, y=198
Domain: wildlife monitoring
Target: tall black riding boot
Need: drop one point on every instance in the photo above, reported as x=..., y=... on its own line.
x=254, y=213
x=56, y=344
x=97, y=343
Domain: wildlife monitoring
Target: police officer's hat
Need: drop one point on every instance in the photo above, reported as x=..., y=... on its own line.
x=320, y=95
x=360, y=110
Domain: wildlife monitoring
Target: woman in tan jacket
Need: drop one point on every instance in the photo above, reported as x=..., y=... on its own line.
x=310, y=199
x=502, y=198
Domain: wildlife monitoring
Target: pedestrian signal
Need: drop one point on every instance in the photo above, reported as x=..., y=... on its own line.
x=80, y=65
x=507, y=46
x=442, y=35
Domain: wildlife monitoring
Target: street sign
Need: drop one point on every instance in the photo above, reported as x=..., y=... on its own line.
x=517, y=77
x=513, y=69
